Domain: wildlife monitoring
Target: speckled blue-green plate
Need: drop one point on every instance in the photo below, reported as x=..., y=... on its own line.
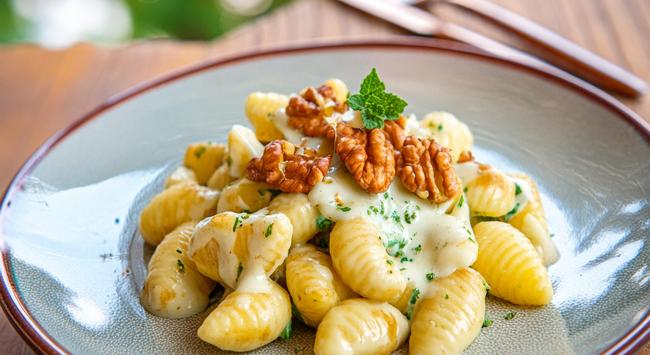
x=73, y=263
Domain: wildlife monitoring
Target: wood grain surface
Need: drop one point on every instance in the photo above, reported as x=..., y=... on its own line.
x=42, y=91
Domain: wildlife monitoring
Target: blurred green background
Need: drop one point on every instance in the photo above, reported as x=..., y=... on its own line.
x=60, y=23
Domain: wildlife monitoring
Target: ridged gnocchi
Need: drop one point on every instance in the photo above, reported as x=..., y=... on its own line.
x=301, y=213
x=260, y=107
x=313, y=284
x=223, y=245
x=204, y=158
x=220, y=178
x=511, y=266
x=174, y=288
x=247, y=320
x=242, y=147
x=361, y=260
x=244, y=195
x=449, y=132
x=180, y=175
x=450, y=316
x=531, y=221
x=176, y=205
x=491, y=194
x=360, y=326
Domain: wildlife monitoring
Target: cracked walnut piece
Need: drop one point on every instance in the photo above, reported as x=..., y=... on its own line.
x=368, y=155
x=426, y=168
x=307, y=112
x=288, y=168
x=395, y=130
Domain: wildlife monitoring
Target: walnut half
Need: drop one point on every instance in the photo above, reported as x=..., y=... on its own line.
x=368, y=155
x=288, y=168
x=426, y=168
x=307, y=112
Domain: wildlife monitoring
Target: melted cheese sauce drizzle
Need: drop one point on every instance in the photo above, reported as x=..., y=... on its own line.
x=421, y=239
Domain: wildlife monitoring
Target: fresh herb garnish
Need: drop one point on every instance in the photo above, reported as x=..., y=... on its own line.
x=412, y=300
x=240, y=268
x=405, y=259
x=446, y=296
x=180, y=266
x=343, y=208
x=418, y=248
x=431, y=276
x=396, y=217
x=460, y=202
x=517, y=189
x=323, y=223
x=471, y=239
x=486, y=286
x=487, y=322
x=375, y=104
x=238, y=223
x=286, y=332
x=465, y=189
x=179, y=251
x=268, y=231
x=509, y=315
x=440, y=127
x=389, y=262
x=512, y=212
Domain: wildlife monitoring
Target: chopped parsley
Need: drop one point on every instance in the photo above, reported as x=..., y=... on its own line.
x=343, y=208
x=460, y=202
x=446, y=296
x=273, y=192
x=471, y=239
x=418, y=248
x=395, y=217
x=268, y=231
x=386, y=195
x=375, y=104
x=486, y=286
x=179, y=251
x=323, y=223
x=517, y=189
x=389, y=262
x=180, y=266
x=296, y=313
x=465, y=189
x=512, y=212
x=286, y=332
x=440, y=127
x=487, y=322
x=199, y=152
x=238, y=222
x=509, y=315
x=412, y=300
x=405, y=259
x=431, y=276
x=240, y=268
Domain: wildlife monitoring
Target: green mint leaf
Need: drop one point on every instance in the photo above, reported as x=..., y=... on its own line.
x=370, y=121
x=371, y=83
x=393, y=105
x=356, y=102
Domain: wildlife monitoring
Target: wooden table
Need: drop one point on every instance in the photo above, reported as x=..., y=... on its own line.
x=42, y=91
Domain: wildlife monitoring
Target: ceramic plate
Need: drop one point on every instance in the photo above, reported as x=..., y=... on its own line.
x=73, y=262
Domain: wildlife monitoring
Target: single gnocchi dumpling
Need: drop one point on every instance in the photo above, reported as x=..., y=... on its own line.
x=174, y=288
x=204, y=158
x=220, y=178
x=511, y=265
x=260, y=107
x=242, y=147
x=361, y=260
x=361, y=326
x=300, y=211
x=223, y=245
x=450, y=316
x=245, y=196
x=449, y=132
x=180, y=175
x=491, y=194
x=313, y=284
x=531, y=221
x=174, y=206
x=247, y=320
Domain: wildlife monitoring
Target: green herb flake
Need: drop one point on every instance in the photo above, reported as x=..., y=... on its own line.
x=323, y=223
x=240, y=268
x=375, y=104
x=386, y=195
x=180, y=266
x=343, y=208
x=286, y=332
x=460, y=202
x=509, y=315
x=405, y=259
x=446, y=296
x=471, y=239
x=268, y=231
x=389, y=262
x=511, y=213
x=229, y=161
x=440, y=127
x=486, y=286
x=552, y=235
x=517, y=189
x=418, y=248
x=487, y=322
x=415, y=294
x=465, y=189
x=238, y=222
x=396, y=217
x=431, y=276
x=199, y=152
x=179, y=251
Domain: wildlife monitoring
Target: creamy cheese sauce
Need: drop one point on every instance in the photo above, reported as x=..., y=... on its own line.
x=421, y=239
x=228, y=263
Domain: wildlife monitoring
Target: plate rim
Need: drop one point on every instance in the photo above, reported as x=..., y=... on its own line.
x=41, y=342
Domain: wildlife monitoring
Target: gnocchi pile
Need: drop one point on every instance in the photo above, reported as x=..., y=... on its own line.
x=338, y=211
